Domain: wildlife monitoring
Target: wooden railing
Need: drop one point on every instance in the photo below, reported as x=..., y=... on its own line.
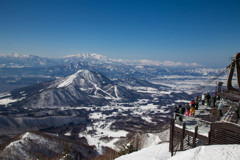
x=183, y=136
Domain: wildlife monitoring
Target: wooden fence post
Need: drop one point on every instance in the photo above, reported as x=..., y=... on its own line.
x=195, y=136
x=188, y=140
x=209, y=135
x=171, y=136
x=183, y=135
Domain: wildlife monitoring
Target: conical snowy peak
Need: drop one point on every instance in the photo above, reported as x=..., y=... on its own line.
x=67, y=81
x=84, y=79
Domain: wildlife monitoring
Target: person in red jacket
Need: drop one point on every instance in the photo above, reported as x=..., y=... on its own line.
x=193, y=105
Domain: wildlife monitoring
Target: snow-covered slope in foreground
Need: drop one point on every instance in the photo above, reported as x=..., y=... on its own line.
x=212, y=152
x=155, y=152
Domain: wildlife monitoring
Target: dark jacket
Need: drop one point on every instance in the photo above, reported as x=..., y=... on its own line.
x=208, y=96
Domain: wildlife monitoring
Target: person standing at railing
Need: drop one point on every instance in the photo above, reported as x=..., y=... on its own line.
x=196, y=100
x=176, y=111
x=188, y=109
x=214, y=100
x=181, y=112
x=220, y=106
x=237, y=105
x=208, y=97
x=193, y=105
x=203, y=98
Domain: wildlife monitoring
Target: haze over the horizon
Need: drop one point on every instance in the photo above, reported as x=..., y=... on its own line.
x=201, y=31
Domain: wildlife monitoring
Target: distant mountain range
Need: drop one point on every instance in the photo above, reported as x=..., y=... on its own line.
x=15, y=60
x=19, y=61
x=22, y=70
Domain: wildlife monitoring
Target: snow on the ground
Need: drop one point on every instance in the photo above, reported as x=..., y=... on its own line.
x=218, y=152
x=188, y=84
x=95, y=115
x=116, y=91
x=99, y=89
x=149, y=106
x=101, y=130
x=161, y=152
x=100, y=134
x=27, y=135
x=5, y=98
x=152, y=139
x=146, y=89
x=68, y=133
x=182, y=101
x=20, y=145
x=4, y=95
x=165, y=92
x=154, y=152
x=147, y=118
x=107, y=132
x=138, y=108
x=6, y=101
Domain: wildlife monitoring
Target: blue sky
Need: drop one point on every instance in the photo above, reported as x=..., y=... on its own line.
x=202, y=31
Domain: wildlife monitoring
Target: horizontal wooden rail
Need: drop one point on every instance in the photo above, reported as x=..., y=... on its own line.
x=219, y=133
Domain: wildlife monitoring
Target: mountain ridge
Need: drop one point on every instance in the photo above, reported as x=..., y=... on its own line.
x=93, y=57
x=39, y=145
x=82, y=88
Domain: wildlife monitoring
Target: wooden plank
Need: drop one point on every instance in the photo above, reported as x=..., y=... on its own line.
x=209, y=137
x=171, y=136
x=194, y=137
x=202, y=138
x=176, y=129
x=189, y=133
x=182, y=137
x=226, y=126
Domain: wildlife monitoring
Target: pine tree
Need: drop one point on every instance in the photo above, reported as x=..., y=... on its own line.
x=67, y=149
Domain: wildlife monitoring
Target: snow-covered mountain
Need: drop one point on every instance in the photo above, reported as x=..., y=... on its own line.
x=97, y=58
x=18, y=60
x=22, y=70
x=15, y=60
x=42, y=146
x=83, y=88
x=87, y=58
